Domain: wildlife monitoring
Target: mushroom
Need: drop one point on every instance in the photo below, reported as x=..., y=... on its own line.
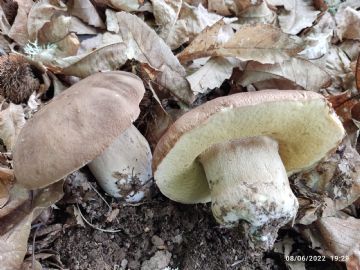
x=237, y=151
x=91, y=120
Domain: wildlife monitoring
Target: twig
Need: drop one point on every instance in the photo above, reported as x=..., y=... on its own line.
x=93, y=226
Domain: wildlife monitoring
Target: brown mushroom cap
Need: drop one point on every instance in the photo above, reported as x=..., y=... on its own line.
x=302, y=122
x=75, y=127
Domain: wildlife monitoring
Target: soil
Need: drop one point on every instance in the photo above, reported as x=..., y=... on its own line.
x=153, y=235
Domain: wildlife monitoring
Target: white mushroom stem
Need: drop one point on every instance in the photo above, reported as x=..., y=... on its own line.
x=248, y=182
x=124, y=168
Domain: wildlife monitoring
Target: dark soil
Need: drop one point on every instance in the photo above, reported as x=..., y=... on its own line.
x=184, y=237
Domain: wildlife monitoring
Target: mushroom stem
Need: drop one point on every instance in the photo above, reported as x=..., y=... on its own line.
x=248, y=182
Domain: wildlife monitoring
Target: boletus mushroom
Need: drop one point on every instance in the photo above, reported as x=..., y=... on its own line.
x=89, y=122
x=238, y=151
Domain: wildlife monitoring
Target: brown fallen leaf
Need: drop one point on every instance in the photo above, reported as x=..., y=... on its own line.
x=232, y=7
x=299, y=14
x=145, y=46
x=109, y=57
x=126, y=5
x=348, y=24
x=6, y=181
x=300, y=71
x=185, y=25
x=85, y=10
x=262, y=43
x=4, y=24
x=215, y=71
x=12, y=119
x=257, y=14
x=54, y=30
x=41, y=13
x=18, y=31
x=15, y=226
x=338, y=236
x=357, y=73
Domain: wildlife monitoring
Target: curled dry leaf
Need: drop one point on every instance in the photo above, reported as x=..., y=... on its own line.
x=109, y=57
x=300, y=71
x=357, y=73
x=257, y=14
x=6, y=181
x=41, y=13
x=334, y=183
x=299, y=14
x=12, y=119
x=15, y=224
x=262, y=43
x=187, y=25
x=4, y=24
x=126, y=5
x=145, y=46
x=18, y=31
x=232, y=7
x=212, y=74
x=348, y=24
x=338, y=236
x=85, y=10
x=54, y=30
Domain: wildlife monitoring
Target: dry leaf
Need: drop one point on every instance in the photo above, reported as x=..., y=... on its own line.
x=212, y=74
x=54, y=30
x=6, y=181
x=338, y=236
x=12, y=119
x=231, y=7
x=13, y=244
x=263, y=43
x=111, y=21
x=85, y=10
x=357, y=73
x=299, y=14
x=15, y=226
x=80, y=28
x=4, y=24
x=300, y=71
x=18, y=31
x=145, y=46
x=257, y=14
x=41, y=13
x=349, y=24
x=126, y=5
x=109, y=57
x=186, y=25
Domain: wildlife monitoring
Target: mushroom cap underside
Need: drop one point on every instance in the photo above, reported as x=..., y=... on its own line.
x=75, y=127
x=302, y=122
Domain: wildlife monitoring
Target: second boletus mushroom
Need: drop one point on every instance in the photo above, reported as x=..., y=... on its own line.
x=238, y=151
x=91, y=122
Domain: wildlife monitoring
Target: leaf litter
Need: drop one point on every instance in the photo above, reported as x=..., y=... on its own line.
x=186, y=52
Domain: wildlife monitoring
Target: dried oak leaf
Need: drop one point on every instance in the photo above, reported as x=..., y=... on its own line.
x=300, y=71
x=6, y=181
x=257, y=14
x=85, y=10
x=15, y=225
x=231, y=7
x=41, y=13
x=212, y=74
x=348, y=24
x=18, y=31
x=145, y=46
x=126, y=5
x=184, y=23
x=261, y=42
x=299, y=14
x=12, y=119
x=338, y=236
